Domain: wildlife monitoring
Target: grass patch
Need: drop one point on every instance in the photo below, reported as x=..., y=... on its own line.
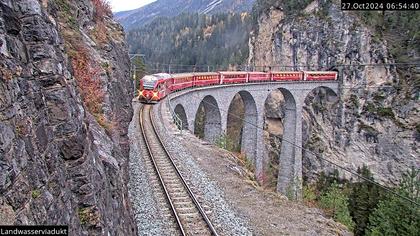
x=227, y=143
x=88, y=216
x=36, y=193
x=385, y=112
x=382, y=112
x=309, y=195
x=354, y=100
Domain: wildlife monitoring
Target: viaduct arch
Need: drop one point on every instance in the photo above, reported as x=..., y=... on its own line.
x=217, y=100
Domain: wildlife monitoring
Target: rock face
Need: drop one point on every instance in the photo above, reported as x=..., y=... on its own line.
x=374, y=120
x=59, y=164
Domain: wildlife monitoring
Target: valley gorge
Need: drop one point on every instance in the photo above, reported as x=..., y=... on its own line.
x=374, y=119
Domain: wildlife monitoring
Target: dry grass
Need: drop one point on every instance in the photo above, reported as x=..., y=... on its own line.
x=100, y=32
x=87, y=76
x=108, y=125
x=6, y=74
x=102, y=10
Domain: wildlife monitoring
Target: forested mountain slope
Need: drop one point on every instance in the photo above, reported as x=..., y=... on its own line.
x=194, y=39
x=144, y=15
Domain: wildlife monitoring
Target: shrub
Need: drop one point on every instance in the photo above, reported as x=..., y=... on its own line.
x=385, y=112
x=87, y=77
x=363, y=199
x=226, y=142
x=354, y=100
x=105, y=123
x=102, y=9
x=335, y=203
x=398, y=216
x=309, y=195
x=88, y=216
x=36, y=193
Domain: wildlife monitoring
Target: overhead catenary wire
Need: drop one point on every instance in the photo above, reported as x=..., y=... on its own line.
x=320, y=157
x=250, y=66
x=155, y=67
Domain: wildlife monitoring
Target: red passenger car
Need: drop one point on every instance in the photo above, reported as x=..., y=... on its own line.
x=182, y=81
x=231, y=77
x=206, y=79
x=320, y=75
x=287, y=75
x=258, y=76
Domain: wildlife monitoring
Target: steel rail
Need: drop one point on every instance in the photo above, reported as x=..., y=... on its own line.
x=178, y=173
x=181, y=228
x=198, y=205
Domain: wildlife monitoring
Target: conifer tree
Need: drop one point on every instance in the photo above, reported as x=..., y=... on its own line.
x=335, y=202
x=395, y=215
x=363, y=200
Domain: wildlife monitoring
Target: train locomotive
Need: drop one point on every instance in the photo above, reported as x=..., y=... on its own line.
x=154, y=88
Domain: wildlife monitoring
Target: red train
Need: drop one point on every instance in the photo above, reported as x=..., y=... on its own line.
x=155, y=87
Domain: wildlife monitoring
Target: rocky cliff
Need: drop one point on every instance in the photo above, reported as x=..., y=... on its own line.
x=374, y=120
x=65, y=106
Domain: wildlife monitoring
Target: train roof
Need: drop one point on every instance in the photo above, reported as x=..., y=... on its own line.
x=232, y=72
x=320, y=72
x=205, y=73
x=162, y=75
x=285, y=72
x=182, y=75
x=193, y=74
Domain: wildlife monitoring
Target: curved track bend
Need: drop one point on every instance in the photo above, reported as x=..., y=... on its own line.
x=189, y=216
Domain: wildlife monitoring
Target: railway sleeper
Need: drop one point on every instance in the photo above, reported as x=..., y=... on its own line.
x=174, y=185
x=183, y=203
x=178, y=194
x=186, y=210
x=180, y=199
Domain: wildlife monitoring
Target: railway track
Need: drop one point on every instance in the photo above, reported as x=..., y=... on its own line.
x=174, y=195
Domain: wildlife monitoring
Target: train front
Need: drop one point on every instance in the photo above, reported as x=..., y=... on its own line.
x=148, y=92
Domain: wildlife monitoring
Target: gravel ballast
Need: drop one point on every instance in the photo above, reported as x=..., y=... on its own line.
x=148, y=217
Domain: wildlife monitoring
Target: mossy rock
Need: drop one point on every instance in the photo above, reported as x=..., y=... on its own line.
x=36, y=193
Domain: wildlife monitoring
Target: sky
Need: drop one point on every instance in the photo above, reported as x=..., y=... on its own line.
x=124, y=5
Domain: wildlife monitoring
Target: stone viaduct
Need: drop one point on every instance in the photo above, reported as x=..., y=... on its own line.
x=216, y=101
